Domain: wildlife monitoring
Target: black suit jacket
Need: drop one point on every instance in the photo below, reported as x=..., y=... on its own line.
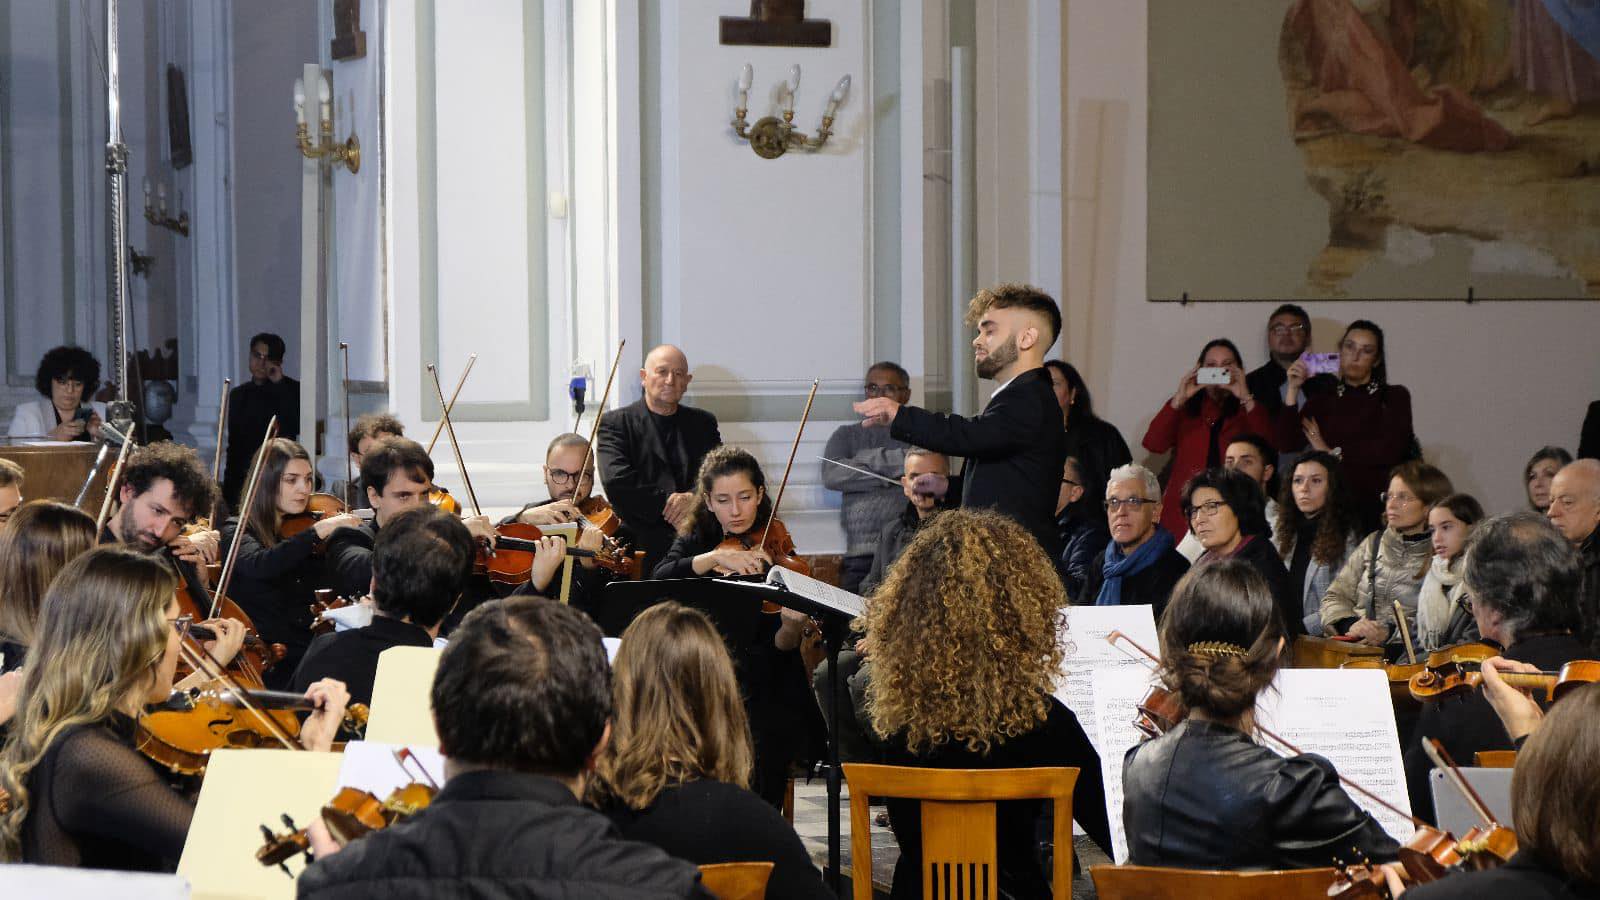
x=639, y=472
x=1014, y=451
x=352, y=656
x=1589, y=439
x=347, y=559
x=250, y=407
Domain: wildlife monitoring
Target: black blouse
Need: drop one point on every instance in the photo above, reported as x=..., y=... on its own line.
x=274, y=585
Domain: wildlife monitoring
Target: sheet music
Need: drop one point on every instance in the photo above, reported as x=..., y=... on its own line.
x=1088, y=651
x=372, y=767
x=821, y=592
x=1117, y=692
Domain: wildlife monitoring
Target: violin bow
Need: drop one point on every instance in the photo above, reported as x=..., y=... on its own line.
x=455, y=446
x=251, y=484
x=202, y=662
x=111, y=487
x=222, y=425
x=599, y=412
x=450, y=407
x=795, y=448
x=1405, y=632
x=344, y=386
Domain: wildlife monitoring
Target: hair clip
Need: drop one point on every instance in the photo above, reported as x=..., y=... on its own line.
x=1216, y=649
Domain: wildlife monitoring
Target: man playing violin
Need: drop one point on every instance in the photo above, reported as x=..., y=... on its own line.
x=164, y=487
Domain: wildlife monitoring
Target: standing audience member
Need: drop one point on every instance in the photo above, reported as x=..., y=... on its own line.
x=252, y=405
x=1575, y=511
x=1539, y=472
x=522, y=705
x=1316, y=530
x=1096, y=443
x=966, y=647
x=1224, y=511
x=1444, y=617
x=1358, y=415
x=676, y=772
x=1199, y=422
x=1083, y=529
x=1288, y=337
x=11, y=476
x=1384, y=573
x=867, y=504
x=1589, y=436
x=1140, y=564
x=67, y=377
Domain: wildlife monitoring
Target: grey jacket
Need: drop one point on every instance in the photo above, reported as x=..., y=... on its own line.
x=1397, y=577
x=868, y=504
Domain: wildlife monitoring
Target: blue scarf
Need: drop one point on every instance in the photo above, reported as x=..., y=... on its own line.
x=1118, y=566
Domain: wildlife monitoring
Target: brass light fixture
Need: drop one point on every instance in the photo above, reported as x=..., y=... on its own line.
x=348, y=152
x=770, y=137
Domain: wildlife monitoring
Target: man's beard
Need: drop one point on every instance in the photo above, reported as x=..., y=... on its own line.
x=132, y=537
x=998, y=359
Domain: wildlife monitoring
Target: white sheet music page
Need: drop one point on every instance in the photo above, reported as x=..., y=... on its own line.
x=375, y=768
x=819, y=591
x=1085, y=629
x=1117, y=692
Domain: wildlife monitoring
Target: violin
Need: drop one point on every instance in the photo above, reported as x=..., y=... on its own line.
x=255, y=657
x=1454, y=679
x=1160, y=711
x=325, y=603
x=511, y=560
x=775, y=542
x=320, y=506
x=598, y=513
x=351, y=814
x=181, y=731
x=1400, y=674
x=442, y=499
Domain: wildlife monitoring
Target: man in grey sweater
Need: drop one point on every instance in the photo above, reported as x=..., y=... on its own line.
x=868, y=503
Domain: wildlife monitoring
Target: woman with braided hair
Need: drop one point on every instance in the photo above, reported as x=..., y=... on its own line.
x=1205, y=795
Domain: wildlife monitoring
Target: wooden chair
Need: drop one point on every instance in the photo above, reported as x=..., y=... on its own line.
x=959, y=856
x=1157, y=883
x=736, y=881
x=1495, y=759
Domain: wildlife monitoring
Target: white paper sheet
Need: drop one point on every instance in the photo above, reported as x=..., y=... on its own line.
x=1085, y=628
x=836, y=599
x=1117, y=692
x=373, y=767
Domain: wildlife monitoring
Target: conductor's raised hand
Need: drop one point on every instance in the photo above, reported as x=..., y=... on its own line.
x=877, y=410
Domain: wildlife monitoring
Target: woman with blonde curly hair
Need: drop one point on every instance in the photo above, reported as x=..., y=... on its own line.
x=965, y=641
x=677, y=769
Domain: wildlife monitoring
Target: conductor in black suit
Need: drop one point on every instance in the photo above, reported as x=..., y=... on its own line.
x=651, y=450
x=1015, y=448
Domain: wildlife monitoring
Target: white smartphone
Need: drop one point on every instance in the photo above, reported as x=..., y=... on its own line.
x=1213, y=375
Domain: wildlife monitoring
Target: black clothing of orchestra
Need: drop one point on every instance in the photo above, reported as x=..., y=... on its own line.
x=96, y=803
x=351, y=656
x=1266, y=382
x=587, y=583
x=1468, y=724
x=1262, y=556
x=347, y=559
x=644, y=458
x=1057, y=741
x=1083, y=539
x=1589, y=590
x=1305, y=539
x=1098, y=447
x=1152, y=585
x=1589, y=437
x=1523, y=878
x=1252, y=809
x=274, y=585
x=708, y=822
x=1014, y=451
x=250, y=407
x=494, y=835
x=892, y=542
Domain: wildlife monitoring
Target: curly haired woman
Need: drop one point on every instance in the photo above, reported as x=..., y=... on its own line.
x=965, y=641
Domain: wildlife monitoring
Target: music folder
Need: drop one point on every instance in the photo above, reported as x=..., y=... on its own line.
x=733, y=604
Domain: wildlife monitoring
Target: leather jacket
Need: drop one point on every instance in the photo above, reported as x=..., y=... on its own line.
x=1204, y=796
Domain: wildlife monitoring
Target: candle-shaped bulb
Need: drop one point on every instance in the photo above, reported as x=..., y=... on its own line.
x=161, y=196
x=324, y=92
x=147, y=190
x=746, y=76
x=299, y=101
x=840, y=90
x=794, y=80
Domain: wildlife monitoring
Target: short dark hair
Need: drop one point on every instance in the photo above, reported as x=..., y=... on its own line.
x=1242, y=494
x=569, y=439
x=275, y=345
x=1221, y=342
x=1464, y=507
x=1296, y=310
x=372, y=425
x=1269, y=455
x=1009, y=295
x=392, y=454
x=420, y=563
x=1219, y=638
x=885, y=365
x=523, y=686
x=1520, y=566
x=68, y=362
x=191, y=484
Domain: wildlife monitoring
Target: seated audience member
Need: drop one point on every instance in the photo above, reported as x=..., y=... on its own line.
x=1206, y=795
x=1199, y=422
x=67, y=377
x=420, y=566
x=1083, y=529
x=1224, y=511
x=676, y=772
x=11, y=476
x=1387, y=567
x=1539, y=472
x=1521, y=577
x=521, y=702
x=1288, y=336
x=1444, y=617
x=368, y=431
x=866, y=504
x=1140, y=564
x=1316, y=530
x=1357, y=411
x=966, y=646
x=1254, y=456
x=1575, y=511
x=933, y=470
x=106, y=645
x=1095, y=443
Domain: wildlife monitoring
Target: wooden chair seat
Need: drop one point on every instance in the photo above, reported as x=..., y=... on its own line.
x=959, y=856
x=736, y=881
x=1495, y=759
x=1159, y=883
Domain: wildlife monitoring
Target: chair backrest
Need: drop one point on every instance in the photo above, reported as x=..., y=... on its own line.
x=959, y=857
x=1158, y=883
x=736, y=881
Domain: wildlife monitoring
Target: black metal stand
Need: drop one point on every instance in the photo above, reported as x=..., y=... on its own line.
x=834, y=632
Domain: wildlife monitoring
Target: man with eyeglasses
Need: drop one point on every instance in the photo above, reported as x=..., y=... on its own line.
x=1288, y=336
x=868, y=504
x=1575, y=511
x=1141, y=565
x=252, y=405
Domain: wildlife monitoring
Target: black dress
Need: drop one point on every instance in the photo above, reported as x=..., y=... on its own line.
x=274, y=586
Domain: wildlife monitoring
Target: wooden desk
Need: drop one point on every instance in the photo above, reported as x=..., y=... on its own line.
x=56, y=471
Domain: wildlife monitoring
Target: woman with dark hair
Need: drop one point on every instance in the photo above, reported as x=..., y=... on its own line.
x=1444, y=616
x=676, y=771
x=1357, y=415
x=1199, y=422
x=966, y=646
x=1539, y=472
x=1316, y=530
x=1095, y=443
x=273, y=577
x=66, y=378
x=1224, y=509
x=1222, y=642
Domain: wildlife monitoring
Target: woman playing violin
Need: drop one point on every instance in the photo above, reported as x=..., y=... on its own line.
x=108, y=643
x=274, y=576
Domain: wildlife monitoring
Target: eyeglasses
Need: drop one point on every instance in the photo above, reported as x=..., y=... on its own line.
x=1132, y=503
x=1209, y=507
x=882, y=390
x=1281, y=330
x=1402, y=499
x=562, y=476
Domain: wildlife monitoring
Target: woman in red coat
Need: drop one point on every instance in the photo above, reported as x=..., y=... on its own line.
x=1199, y=422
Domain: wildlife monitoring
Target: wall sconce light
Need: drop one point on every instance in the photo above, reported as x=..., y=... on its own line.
x=770, y=137
x=157, y=215
x=348, y=152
